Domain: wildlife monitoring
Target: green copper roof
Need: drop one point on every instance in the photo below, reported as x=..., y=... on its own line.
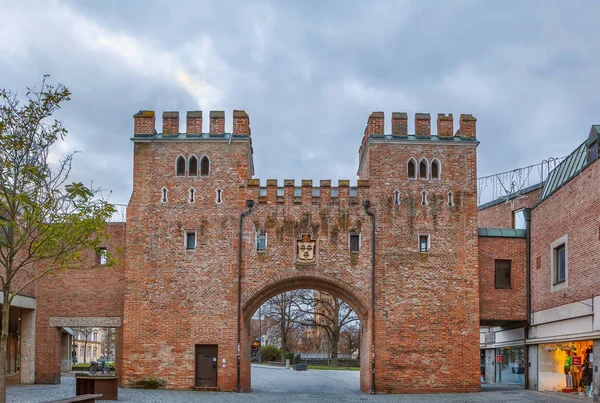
x=503, y=232
x=566, y=170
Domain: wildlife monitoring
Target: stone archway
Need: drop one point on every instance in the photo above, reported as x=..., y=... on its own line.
x=290, y=280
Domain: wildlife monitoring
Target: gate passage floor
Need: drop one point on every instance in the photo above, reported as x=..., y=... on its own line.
x=280, y=385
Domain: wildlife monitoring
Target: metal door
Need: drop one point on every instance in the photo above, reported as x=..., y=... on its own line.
x=206, y=366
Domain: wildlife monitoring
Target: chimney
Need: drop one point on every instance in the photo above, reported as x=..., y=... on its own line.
x=422, y=124
x=375, y=124
x=170, y=123
x=467, y=129
x=217, y=123
x=194, y=123
x=144, y=123
x=241, y=123
x=445, y=125
x=399, y=124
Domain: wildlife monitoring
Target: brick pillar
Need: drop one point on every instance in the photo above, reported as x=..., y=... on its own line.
x=533, y=366
x=375, y=124
x=241, y=123
x=194, y=122
x=467, y=127
x=217, y=122
x=445, y=125
x=399, y=124
x=422, y=124
x=490, y=366
x=170, y=123
x=27, y=346
x=144, y=123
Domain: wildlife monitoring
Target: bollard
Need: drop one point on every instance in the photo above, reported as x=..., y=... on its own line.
x=287, y=363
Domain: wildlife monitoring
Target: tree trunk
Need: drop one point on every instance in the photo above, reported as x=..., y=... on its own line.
x=4, y=345
x=334, y=349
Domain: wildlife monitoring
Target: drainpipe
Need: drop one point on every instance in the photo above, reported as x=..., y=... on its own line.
x=249, y=204
x=528, y=290
x=367, y=205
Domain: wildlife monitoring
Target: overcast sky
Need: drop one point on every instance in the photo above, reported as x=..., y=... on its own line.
x=309, y=73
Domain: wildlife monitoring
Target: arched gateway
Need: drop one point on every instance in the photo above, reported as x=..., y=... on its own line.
x=190, y=289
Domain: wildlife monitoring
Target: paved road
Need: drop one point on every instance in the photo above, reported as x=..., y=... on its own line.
x=280, y=385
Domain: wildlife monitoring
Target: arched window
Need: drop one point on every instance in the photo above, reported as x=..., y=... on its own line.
x=424, y=198
x=412, y=169
x=163, y=197
x=219, y=197
x=435, y=169
x=192, y=195
x=423, y=169
x=204, y=166
x=450, y=199
x=193, y=166
x=180, y=165
x=396, y=197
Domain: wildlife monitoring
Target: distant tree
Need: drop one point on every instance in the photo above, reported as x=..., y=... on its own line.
x=109, y=335
x=47, y=223
x=350, y=338
x=282, y=308
x=83, y=334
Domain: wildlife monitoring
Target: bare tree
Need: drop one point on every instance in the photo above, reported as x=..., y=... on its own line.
x=350, y=338
x=326, y=312
x=108, y=341
x=282, y=308
x=83, y=334
x=46, y=223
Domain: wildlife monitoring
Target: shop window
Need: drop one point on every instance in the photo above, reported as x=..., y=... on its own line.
x=519, y=219
x=193, y=166
x=423, y=169
x=163, y=197
x=502, y=278
x=424, y=243
x=435, y=169
x=190, y=240
x=412, y=169
x=204, y=166
x=396, y=197
x=354, y=242
x=219, y=196
x=261, y=241
x=101, y=256
x=180, y=165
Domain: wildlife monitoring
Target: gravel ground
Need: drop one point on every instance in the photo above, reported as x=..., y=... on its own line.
x=278, y=385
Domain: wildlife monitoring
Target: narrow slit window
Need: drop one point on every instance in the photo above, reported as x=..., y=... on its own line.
x=163, y=197
x=204, y=166
x=180, y=165
x=261, y=241
x=354, y=242
x=193, y=166
x=423, y=169
x=412, y=169
x=424, y=198
x=435, y=169
x=450, y=199
x=396, y=197
x=192, y=195
x=424, y=243
x=560, y=264
x=190, y=240
x=219, y=196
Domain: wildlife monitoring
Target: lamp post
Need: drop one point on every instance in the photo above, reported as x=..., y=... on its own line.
x=259, y=335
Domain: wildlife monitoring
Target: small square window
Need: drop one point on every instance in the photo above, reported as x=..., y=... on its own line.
x=560, y=264
x=101, y=256
x=190, y=240
x=424, y=243
x=502, y=278
x=261, y=241
x=354, y=242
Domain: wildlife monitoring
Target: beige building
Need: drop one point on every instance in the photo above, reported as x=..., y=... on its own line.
x=93, y=345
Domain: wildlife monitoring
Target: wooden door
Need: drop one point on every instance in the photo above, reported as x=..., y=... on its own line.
x=206, y=366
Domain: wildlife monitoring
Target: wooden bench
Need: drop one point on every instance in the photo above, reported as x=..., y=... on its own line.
x=106, y=385
x=89, y=398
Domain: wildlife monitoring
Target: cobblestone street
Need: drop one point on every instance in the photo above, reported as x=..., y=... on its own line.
x=277, y=385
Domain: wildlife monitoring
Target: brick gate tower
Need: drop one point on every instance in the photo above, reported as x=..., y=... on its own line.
x=189, y=297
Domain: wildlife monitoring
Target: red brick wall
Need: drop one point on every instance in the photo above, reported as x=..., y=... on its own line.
x=195, y=293
x=95, y=291
x=574, y=211
x=502, y=304
x=501, y=215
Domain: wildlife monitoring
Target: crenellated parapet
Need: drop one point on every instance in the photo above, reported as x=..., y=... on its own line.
x=145, y=125
x=306, y=193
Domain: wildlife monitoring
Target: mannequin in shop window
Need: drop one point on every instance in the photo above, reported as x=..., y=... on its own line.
x=568, y=376
x=586, y=372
